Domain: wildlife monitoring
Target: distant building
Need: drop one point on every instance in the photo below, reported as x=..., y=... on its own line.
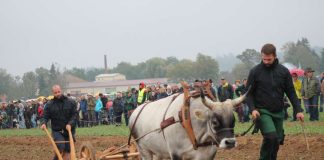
x=110, y=86
x=110, y=77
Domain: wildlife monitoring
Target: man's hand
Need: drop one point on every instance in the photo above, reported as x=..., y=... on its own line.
x=43, y=126
x=68, y=127
x=300, y=116
x=255, y=114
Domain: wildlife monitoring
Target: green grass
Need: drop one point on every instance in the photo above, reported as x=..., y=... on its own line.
x=112, y=130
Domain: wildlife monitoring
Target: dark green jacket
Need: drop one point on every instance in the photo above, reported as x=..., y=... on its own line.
x=310, y=87
x=269, y=84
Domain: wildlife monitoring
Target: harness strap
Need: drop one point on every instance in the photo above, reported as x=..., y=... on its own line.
x=186, y=123
x=247, y=131
x=169, y=121
x=204, y=144
x=130, y=134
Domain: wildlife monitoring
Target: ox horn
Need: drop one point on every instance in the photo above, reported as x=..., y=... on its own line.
x=239, y=100
x=185, y=87
x=203, y=99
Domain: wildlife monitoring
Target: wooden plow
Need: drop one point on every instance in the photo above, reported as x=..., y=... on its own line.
x=87, y=151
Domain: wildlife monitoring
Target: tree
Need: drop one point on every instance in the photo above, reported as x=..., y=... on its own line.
x=182, y=71
x=7, y=84
x=250, y=57
x=300, y=54
x=43, y=78
x=78, y=72
x=155, y=68
x=240, y=71
x=206, y=67
x=29, y=84
x=321, y=66
x=125, y=68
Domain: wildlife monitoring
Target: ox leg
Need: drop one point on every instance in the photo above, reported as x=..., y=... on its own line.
x=146, y=154
x=174, y=156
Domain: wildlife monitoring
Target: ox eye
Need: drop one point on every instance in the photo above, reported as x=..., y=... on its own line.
x=215, y=122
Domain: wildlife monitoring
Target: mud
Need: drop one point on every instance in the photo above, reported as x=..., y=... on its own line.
x=39, y=148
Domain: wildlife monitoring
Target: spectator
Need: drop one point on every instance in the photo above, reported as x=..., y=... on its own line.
x=118, y=106
x=322, y=94
x=241, y=90
x=310, y=93
x=91, y=107
x=110, y=111
x=84, y=111
x=142, y=94
x=129, y=106
x=4, y=119
x=297, y=85
x=225, y=90
x=98, y=108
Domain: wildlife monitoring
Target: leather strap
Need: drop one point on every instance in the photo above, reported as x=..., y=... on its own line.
x=130, y=134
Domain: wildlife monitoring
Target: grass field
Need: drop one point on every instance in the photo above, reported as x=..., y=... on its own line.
x=111, y=130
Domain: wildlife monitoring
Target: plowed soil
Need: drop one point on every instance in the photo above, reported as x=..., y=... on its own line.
x=39, y=148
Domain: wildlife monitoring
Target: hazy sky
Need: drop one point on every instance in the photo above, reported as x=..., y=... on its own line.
x=78, y=33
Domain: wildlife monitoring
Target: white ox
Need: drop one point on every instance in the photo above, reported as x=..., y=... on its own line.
x=211, y=122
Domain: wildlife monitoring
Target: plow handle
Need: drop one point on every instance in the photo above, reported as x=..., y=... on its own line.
x=54, y=145
x=73, y=156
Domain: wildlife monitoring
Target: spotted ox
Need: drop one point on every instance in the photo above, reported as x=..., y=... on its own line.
x=212, y=125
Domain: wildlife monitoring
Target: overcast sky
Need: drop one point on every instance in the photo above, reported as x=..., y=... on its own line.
x=78, y=33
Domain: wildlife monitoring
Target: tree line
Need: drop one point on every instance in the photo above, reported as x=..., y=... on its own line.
x=38, y=82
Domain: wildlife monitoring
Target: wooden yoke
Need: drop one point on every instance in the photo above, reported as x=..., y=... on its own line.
x=185, y=114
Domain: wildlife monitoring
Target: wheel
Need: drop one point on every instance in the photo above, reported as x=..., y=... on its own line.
x=87, y=151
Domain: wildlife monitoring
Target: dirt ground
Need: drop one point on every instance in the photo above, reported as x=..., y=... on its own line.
x=39, y=148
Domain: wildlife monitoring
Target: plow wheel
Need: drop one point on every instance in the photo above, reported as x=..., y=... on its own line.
x=87, y=151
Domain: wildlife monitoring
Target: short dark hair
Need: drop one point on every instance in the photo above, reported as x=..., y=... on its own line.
x=269, y=49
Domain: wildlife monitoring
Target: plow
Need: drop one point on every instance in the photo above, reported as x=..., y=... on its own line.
x=87, y=151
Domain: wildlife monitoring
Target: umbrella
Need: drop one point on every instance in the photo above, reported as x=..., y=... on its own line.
x=298, y=71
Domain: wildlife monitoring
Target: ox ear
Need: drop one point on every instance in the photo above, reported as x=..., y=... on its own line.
x=198, y=114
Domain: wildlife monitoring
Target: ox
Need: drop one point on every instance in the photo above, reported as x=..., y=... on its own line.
x=212, y=124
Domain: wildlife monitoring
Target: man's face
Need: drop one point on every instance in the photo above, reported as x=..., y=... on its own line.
x=268, y=59
x=56, y=90
x=245, y=82
x=223, y=81
x=309, y=74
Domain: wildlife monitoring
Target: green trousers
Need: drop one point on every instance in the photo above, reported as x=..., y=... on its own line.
x=271, y=126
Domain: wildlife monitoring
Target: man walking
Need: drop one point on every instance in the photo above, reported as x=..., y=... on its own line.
x=270, y=81
x=62, y=112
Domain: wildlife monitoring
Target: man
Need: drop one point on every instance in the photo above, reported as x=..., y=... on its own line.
x=62, y=112
x=129, y=106
x=91, y=107
x=322, y=94
x=241, y=90
x=297, y=85
x=3, y=116
x=225, y=90
x=310, y=92
x=142, y=94
x=270, y=81
x=322, y=88
x=118, y=106
x=84, y=111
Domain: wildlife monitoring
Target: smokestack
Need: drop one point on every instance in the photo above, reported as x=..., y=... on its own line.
x=106, y=68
